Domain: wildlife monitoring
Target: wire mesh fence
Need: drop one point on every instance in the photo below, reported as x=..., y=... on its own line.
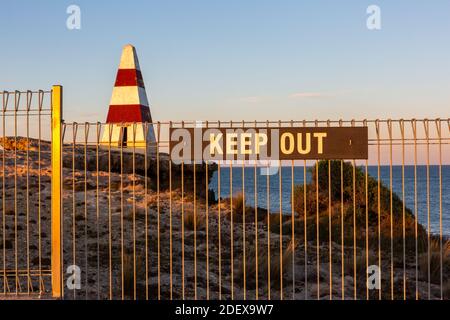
x=141, y=227
x=137, y=225
x=25, y=196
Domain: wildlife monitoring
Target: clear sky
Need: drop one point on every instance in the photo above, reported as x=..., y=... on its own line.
x=253, y=59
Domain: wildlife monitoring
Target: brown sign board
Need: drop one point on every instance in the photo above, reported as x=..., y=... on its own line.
x=285, y=143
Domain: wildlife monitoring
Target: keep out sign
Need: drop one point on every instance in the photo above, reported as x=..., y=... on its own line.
x=217, y=144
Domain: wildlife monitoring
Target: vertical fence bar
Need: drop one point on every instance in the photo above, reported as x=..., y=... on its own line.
x=402, y=131
x=280, y=190
x=377, y=128
x=391, y=214
x=40, y=102
x=134, y=212
x=256, y=230
x=146, y=128
x=342, y=234
x=268, y=221
x=317, y=226
x=342, y=226
x=441, y=253
x=124, y=138
x=317, y=231
x=293, y=229
x=414, y=131
x=367, y=224
x=207, y=224
x=74, y=222
x=29, y=283
x=182, y=226
x=195, y=229
x=86, y=265
x=427, y=138
x=330, y=257
x=366, y=174
x=170, y=226
x=231, y=229
x=354, y=226
x=110, y=128
x=56, y=160
x=64, y=126
x=16, y=237
x=243, y=227
x=305, y=231
x=97, y=205
x=158, y=142
x=354, y=232
x=219, y=231
x=5, y=106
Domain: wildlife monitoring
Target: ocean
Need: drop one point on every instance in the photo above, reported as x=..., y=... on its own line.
x=286, y=181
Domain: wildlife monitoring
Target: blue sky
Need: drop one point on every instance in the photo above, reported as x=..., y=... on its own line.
x=239, y=60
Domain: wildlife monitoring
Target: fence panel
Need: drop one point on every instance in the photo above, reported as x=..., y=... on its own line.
x=138, y=226
x=25, y=264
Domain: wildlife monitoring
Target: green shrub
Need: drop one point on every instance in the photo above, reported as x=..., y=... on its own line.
x=343, y=198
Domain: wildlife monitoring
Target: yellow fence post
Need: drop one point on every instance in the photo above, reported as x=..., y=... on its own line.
x=57, y=96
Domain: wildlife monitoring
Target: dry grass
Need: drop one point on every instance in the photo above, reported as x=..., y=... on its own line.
x=128, y=275
x=190, y=223
x=286, y=260
x=360, y=262
x=130, y=286
x=238, y=203
x=446, y=290
x=263, y=265
x=238, y=208
x=435, y=260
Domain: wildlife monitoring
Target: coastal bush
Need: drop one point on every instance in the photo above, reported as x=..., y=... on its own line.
x=347, y=187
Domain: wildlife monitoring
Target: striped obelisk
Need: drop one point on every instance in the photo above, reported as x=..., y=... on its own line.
x=129, y=108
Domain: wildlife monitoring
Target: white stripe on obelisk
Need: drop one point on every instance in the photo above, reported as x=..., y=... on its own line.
x=129, y=96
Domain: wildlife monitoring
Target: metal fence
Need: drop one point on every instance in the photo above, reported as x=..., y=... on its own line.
x=25, y=264
x=134, y=225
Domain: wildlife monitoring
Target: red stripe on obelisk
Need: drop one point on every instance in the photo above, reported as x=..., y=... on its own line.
x=128, y=113
x=129, y=78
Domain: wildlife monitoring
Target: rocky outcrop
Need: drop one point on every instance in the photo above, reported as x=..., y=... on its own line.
x=157, y=167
